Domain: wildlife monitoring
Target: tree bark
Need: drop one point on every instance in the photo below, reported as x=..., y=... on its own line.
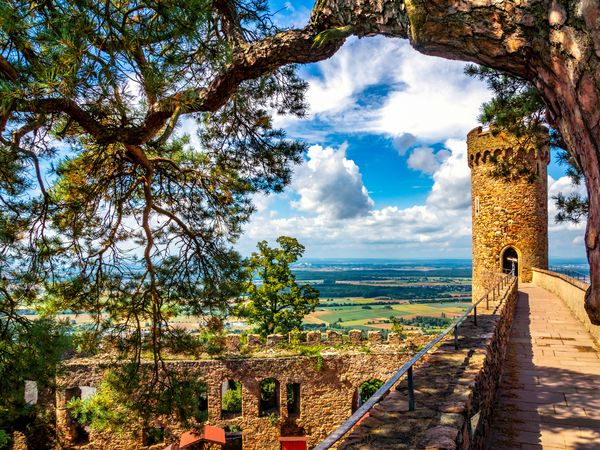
x=552, y=43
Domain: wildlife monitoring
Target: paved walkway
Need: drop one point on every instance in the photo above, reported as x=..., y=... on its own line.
x=550, y=391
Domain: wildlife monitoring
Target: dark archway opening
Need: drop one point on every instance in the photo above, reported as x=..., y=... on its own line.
x=269, y=397
x=510, y=261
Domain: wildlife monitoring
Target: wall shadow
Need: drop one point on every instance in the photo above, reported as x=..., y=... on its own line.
x=543, y=405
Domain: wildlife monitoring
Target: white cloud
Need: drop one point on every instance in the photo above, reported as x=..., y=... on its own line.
x=403, y=143
x=427, y=160
x=442, y=224
x=331, y=185
x=451, y=189
x=565, y=186
x=382, y=85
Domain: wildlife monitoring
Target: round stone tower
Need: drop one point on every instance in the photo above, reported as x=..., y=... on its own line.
x=510, y=206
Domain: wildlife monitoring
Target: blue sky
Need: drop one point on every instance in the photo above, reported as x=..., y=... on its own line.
x=386, y=173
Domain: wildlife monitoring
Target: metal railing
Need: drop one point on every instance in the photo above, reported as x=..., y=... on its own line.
x=570, y=273
x=407, y=368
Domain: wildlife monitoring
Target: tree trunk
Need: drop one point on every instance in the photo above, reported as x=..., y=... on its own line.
x=554, y=44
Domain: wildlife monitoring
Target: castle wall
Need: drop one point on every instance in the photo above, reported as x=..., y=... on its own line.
x=570, y=291
x=326, y=394
x=507, y=211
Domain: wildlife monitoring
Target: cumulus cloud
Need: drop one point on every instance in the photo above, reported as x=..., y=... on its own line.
x=399, y=93
x=442, y=224
x=403, y=143
x=565, y=186
x=331, y=185
x=451, y=189
x=427, y=160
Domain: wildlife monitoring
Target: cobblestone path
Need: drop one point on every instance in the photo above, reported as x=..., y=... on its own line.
x=549, y=395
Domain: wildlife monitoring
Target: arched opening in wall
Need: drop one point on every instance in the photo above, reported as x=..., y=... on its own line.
x=202, y=413
x=153, y=436
x=269, y=397
x=234, y=439
x=510, y=261
x=364, y=392
x=231, y=399
x=79, y=432
x=293, y=399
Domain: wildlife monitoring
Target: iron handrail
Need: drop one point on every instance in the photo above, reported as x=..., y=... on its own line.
x=571, y=273
x=407, y=369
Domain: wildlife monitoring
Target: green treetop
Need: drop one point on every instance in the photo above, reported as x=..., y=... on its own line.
x=277, y=304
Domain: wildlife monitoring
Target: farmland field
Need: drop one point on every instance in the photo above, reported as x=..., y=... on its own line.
x=368, y=295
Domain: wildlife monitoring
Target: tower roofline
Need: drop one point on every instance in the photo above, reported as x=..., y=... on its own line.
x=485, y=142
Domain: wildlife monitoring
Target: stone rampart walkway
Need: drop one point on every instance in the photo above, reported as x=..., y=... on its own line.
x=549, y=395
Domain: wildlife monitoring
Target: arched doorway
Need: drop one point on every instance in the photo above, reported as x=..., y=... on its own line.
x=510, y=261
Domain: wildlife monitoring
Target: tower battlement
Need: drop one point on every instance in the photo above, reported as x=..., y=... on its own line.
x=509, y=185
x=486, y=146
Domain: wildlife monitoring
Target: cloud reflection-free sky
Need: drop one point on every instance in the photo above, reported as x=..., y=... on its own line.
x=385, y=175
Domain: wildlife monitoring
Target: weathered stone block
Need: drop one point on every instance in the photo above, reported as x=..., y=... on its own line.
x=253, y=340
x=394, y=338
x=355, y=336
x=440, y=437
x=375, y=337
x=232, y=343
x=313, y=337
x=334, y=338
x=274, y=339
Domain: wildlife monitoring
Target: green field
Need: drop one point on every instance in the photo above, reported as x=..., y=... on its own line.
x=361, y=313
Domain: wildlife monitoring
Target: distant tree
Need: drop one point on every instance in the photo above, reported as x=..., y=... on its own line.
x=277, y=304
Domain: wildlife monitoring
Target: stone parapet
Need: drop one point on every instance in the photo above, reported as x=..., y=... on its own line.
x=571, y=292
x=455, y=390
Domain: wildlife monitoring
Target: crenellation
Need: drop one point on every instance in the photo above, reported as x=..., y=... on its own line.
x=274, y=339
x=313, y=337
x=375, y=337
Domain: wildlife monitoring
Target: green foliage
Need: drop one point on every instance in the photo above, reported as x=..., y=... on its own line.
x=29, y=350
x=277, y=304
x=212, y=343
x=268, y=388
x=103, y=411
x=273, y=419
x=397, y=327
x=91, y=168
x=5, y=440
x=181, y=341
x=86, y=341
x=231, y=401
x=571, y=208
x=117, y=405
x=368, y=388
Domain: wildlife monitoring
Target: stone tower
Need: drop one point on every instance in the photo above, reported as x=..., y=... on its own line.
x=510, y=206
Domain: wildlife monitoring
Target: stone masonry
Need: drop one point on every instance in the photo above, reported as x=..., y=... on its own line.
x=510, y=209
x=328, y=385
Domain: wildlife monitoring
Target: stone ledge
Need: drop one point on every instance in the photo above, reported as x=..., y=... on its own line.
x=454, y=391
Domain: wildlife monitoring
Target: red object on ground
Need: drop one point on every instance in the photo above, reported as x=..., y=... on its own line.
x=209, y=434
x=293, y=443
